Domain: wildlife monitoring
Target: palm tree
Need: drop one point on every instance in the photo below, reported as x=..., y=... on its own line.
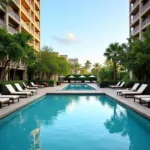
x=113, y=53
x=96, y=67
x=77, y=67
x=87, y=64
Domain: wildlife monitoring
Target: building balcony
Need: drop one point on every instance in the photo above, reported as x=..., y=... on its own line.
x=146, y=22
x=2, y=23
x=32, y=31
x=135, y=18
x=38, y=3
x=13, y=14
x=25, y=25
x=37, y=13
x=134, y=5
x=37, y=24
x=12, y=30
x=146, y=7
x=135, y=30
x=25, y=12
x=37, y=35
x=37, y=47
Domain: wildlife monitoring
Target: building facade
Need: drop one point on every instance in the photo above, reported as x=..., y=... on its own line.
x=22, y=15
x=139, y=17
x=73, y=60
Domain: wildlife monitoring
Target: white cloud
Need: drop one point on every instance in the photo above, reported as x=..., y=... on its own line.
x=69, y=39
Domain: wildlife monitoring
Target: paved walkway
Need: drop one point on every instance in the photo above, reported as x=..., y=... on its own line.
x=141, y=109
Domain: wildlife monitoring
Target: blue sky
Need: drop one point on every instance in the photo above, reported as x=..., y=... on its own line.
x=84, y=28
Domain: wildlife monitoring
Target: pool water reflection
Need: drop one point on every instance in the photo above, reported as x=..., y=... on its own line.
x=74, y=122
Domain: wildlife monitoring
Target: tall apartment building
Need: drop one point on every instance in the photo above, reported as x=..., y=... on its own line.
x=139, y=17
x=22, y=15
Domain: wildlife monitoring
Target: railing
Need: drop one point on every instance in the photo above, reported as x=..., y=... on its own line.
x=38, y=13
x=135, y=30
x=2, y=23
x=37, y=46
x=12, y=30
x=25, y=24
x=32, y=18
x=146, y=21
x=14, y=14
x=134, y=5
x=146, y=6
x=135, y=18
x=32, y=31
x=38, y=3
x=37, y=24
x=37, y=35
x=27, y=13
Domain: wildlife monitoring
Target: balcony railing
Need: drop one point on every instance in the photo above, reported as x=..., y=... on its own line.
x=135, y=30
x=2, y=23
x=134, y=5
x=146, y=6
x=13, y=13
x=38, y=3
x=38, y=13
x=146, y=21
x=25, y=25
x=135, y=18
x=26, y=12
x=37, y=24
x=12, y=30
x=32, y=31
x=37, y=35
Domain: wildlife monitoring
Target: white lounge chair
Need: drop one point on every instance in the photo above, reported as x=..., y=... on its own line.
x=138, y=97
x=138, y=92
x=119, y=86
x=3, y=101
x=34, y=85
x=13, y=92
x=19, y=88
x=11, y=97
x=114, y=85
x=29, y=87
x=135, y=86
x=146, y=100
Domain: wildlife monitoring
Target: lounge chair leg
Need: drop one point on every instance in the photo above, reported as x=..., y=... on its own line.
x=140, y=101
x=148, y=105
x=13, y=101
x=8, y=103
x=18, y=99
x=0, y=105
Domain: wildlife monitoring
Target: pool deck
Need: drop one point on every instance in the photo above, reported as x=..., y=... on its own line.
x=129, y=102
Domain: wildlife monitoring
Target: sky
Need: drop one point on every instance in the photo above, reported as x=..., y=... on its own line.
x=83, y=29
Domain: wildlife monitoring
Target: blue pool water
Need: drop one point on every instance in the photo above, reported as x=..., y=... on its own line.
x=78, y=87
x=74, y=122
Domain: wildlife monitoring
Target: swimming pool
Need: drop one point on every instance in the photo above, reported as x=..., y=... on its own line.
x=78, y=87
x=76, y=122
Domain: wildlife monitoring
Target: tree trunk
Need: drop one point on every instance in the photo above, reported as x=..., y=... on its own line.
x=115, y=71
